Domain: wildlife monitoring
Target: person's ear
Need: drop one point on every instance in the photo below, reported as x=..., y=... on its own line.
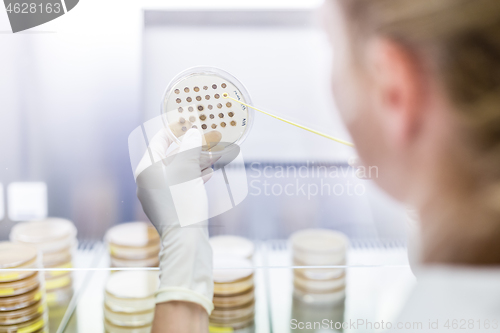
x=398, y=90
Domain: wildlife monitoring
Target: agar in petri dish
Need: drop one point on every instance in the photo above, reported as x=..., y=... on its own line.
x=220, y=83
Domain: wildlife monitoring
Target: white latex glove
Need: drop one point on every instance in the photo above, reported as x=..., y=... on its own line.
x=172, y=193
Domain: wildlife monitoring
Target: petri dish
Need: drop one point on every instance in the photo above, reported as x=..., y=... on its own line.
x=64, y=266
x=20, y=301
x=35, y=325
x=318, y=285
x=235, y=324
x=111, y=328
x=195, y=98
x=234, y=313
x=23, y=315
x=58, y=281
x=131, y=291
x=19, y=287
x=59, y=296
x=228, y=245
x=319, y=246
x=134, y=319
x=14, y=255
x=232, y=301
x=134, y=253
x=48, y=235
x=58, y=258
x=318, y=273
x=132, y=235
x=229, y=280
x=308, y=297
x=146, y=262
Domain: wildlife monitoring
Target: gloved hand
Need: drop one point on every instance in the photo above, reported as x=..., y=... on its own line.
x=172, y=193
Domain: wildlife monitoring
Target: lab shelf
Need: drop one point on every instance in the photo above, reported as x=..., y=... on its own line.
x=378, y=279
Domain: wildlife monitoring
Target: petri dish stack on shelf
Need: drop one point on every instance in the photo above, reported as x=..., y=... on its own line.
x=129, y=301
x=56, y=239
x=22, y=295
x=133, y=244
x=234, y=296
x=319, y=247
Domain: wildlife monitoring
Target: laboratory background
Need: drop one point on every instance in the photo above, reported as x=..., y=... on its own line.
x=72, y=92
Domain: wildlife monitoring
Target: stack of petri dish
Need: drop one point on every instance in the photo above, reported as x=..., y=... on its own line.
x=133, y=244
x=22, y=295
x=234, y=296
x=56, y=239
x=319, y=247
x=129, y=301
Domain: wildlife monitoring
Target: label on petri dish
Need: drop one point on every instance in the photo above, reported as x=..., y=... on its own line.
x=8, y=276
x=7, y=291
x=57, y=283
x=27, y=201
x=217, y=329
x=33, y=327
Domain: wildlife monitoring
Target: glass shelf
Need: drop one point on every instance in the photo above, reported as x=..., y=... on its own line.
x=378, y=279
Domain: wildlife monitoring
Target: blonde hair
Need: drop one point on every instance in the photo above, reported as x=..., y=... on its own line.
x=465, y=38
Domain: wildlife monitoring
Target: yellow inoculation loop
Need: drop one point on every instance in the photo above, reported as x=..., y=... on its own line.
x=226, y=95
